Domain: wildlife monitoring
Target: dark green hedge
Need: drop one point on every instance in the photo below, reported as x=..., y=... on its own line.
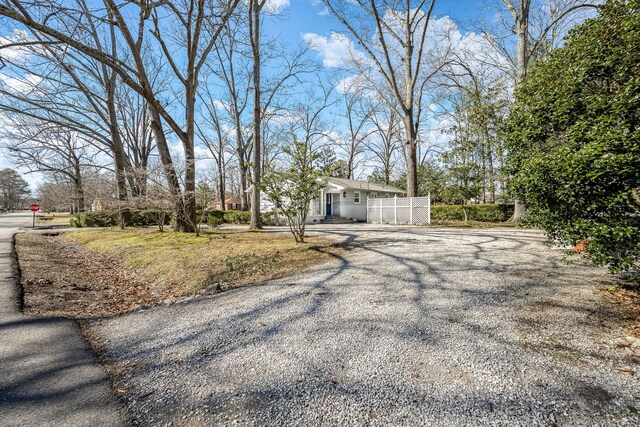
x=138, y=218
x=482, y=213
x=149, y=217
x=216, y=217
x=94, y=219
x=141, y=218
x=237, y=217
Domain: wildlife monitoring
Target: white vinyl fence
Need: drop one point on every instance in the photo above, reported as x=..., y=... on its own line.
x=399, y=210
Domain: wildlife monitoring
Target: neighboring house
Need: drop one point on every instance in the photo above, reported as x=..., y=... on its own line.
x=97, y=205
x=343, y=200
x=232, y=203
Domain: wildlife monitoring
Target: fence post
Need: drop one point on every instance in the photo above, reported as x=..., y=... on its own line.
x=395, y=210
x=429, y=208
x=411, y=210
x=368, y=210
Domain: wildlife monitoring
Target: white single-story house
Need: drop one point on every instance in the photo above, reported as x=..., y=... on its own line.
x=343, y=200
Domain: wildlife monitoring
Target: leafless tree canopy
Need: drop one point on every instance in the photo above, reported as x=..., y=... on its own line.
x=154, y=96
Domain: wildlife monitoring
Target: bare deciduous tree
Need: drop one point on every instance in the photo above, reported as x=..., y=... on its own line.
x=41, y=147
x=197, y=24
x=386, y=139
x=358, y=113
x=397, y=63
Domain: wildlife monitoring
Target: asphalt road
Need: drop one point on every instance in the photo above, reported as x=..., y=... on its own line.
x=49, y=376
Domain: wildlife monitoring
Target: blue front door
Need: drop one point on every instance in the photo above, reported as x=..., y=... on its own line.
x=328, y=203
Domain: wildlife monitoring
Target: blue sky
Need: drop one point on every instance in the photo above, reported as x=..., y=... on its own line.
x=310, y=17
x=304, y=16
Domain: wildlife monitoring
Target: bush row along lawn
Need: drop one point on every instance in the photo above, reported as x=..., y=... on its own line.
x=493, y=213
x=440, y=215
x=153, y=217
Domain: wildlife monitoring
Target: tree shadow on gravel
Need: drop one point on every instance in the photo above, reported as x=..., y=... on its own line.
x=417, y=325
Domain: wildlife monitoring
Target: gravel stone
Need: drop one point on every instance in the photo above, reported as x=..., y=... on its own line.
x=415, y=326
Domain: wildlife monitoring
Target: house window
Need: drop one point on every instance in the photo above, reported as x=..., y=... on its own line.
x=373, y=195
x=386, y=195
x=356, y=197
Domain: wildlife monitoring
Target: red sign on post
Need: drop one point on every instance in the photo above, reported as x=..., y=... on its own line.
x=34, y=208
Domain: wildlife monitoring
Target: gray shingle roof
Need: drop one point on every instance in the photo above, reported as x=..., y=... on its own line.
x=363, y=185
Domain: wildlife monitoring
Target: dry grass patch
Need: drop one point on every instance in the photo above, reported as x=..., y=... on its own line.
x=97, y=273
x=54, y=218
x=186, y=263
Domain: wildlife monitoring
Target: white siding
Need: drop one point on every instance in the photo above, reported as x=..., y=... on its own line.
x=265, y=204
x=349, y=209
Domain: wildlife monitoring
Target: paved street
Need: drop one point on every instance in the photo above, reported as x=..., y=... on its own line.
x=48, y=374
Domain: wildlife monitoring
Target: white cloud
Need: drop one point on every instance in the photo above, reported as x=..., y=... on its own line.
x=283, y=117
x=273, y=7
x=219, y=104
x=276, y=6
x=443, y=40
x=13, y=53
x=26, y=84
x=324, y=11
x=337, y=51
x=356, y=83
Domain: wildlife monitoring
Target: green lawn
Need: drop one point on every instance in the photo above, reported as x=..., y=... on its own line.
x=184, y=263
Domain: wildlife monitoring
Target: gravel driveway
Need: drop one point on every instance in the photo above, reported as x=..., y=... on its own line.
x=415, y=326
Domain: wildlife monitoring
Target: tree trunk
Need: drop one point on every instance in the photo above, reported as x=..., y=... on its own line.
x=464, y=211
x=180, y=214
x=221, y=180
x=189, y=194
x=522, y=28
x=244, y=197
x=119, y=155
x=79, y=187
x=519, y=211
x=411, y=157
x=141, y=178
x=257, y=114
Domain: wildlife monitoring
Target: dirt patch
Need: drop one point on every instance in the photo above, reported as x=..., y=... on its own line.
x=627, y=297
x=62, y=279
